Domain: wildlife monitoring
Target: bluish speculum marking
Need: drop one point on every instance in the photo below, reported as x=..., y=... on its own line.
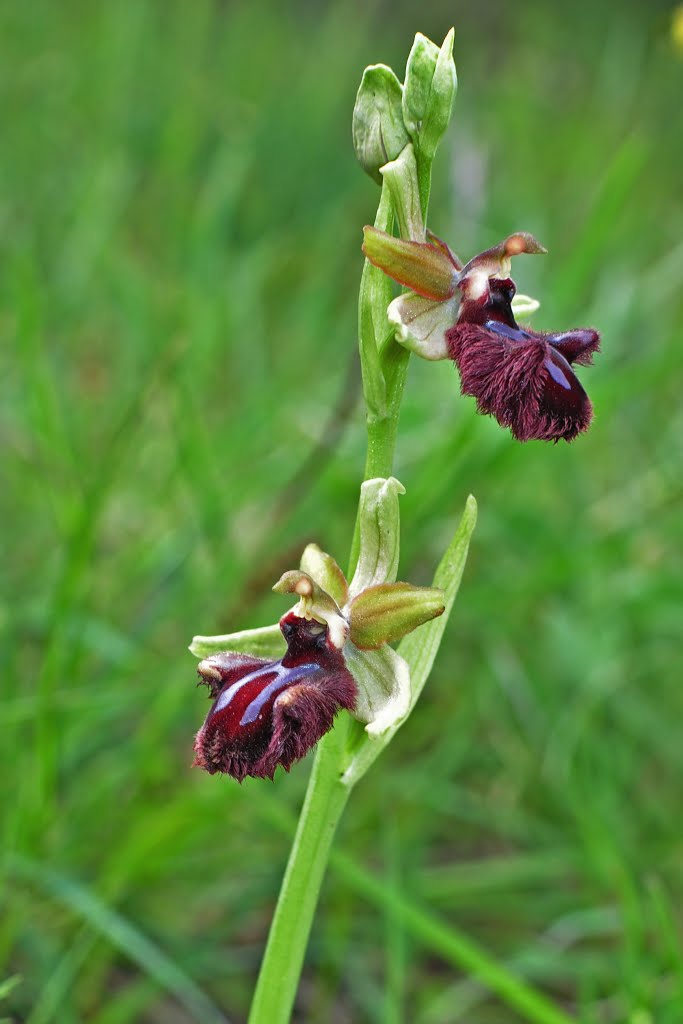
x=557, y=375
x=513, y=333
x=227, y=696
x=284, y=677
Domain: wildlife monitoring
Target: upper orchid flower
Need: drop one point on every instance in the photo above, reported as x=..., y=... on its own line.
x=467, y=313
x=269, y=707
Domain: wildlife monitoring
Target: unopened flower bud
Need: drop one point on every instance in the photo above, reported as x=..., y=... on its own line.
x=418, y=82
x=379, y=134
x=429, y=91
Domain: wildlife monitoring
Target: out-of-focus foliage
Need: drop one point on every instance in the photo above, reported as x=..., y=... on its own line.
x=180, y=216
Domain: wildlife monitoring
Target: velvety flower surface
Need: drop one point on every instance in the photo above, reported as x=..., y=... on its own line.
x=522, y=377
x=267, y=713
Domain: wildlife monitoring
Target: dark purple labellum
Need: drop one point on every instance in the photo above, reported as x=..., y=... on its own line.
x=267, y=713
x=522, y=377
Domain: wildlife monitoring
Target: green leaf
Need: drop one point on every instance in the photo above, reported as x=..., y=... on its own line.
x=123, y=935
x=420, y=648
x=264, y=642
x=387, y=612
x=378, y=131
x=9, y=984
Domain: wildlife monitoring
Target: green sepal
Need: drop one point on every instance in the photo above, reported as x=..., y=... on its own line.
x=387, y=612
x=264, y=642
x=324, y=571
x=380, y=528
x=422, y=266
x=379, y=133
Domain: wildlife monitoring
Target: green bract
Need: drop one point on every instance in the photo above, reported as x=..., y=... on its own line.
x=380, y=533
x=400, y=176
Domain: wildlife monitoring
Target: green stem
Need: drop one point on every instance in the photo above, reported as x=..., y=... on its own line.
x=382, y=432
x=284, y=956
x=384, y=370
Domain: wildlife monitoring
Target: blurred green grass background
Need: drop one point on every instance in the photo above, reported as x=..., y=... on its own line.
x=181, y=216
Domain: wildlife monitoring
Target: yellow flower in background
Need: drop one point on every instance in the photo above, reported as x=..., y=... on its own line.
x=677, y=27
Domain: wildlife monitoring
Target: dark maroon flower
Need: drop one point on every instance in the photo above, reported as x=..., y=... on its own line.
x=267, y=713
x=522, y=377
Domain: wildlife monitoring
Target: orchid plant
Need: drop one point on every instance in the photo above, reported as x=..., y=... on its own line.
x=347, y=662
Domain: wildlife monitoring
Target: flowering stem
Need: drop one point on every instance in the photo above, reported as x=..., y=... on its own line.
x=384, y=369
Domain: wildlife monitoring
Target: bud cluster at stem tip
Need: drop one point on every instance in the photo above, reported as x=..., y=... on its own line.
x=389, y=115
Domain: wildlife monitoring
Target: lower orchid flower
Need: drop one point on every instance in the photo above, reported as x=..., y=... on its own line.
x=522, y=377
x=270, y=711
x=267, y=713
